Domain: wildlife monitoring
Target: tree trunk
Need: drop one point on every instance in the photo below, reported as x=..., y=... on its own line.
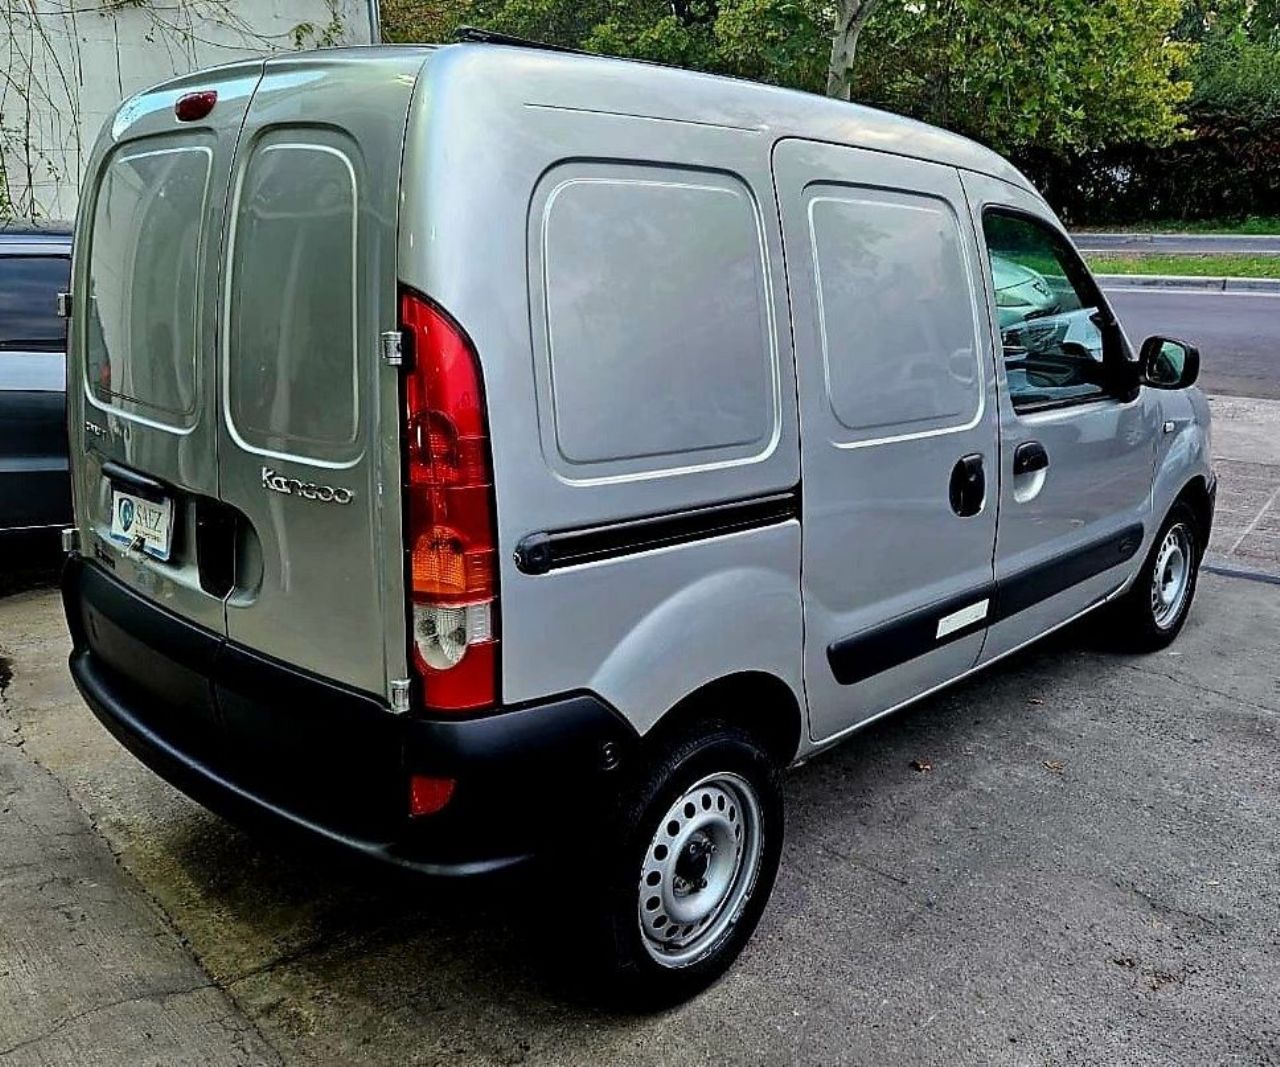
x=851, y=16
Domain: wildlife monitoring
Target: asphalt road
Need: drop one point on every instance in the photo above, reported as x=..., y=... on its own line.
x=1209, y=243
x=1238, y=333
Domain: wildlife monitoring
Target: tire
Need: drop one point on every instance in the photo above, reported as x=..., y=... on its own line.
x=1148, y=617
x=678, y=913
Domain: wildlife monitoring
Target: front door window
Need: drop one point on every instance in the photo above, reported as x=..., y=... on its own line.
x=1059, y=346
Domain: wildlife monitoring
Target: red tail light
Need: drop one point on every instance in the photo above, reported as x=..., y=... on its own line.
x=449, y=498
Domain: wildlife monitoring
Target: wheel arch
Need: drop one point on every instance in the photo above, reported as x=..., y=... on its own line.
x=1195, y=494
x=759, y=702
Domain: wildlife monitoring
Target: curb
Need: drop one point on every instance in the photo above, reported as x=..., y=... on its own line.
x=1247, y=574
x=1170, y=235
x=1257, y=244
x=1179, y=281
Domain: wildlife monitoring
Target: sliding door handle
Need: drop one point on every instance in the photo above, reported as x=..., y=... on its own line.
x=968, y=486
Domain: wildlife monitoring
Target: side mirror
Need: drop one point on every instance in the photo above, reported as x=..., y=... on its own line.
x=1169, y=364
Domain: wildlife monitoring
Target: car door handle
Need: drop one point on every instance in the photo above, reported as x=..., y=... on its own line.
x=1029, y=457
x=968, y=487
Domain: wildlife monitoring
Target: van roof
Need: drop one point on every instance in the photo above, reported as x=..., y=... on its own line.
x=562, y=78
x=584, y=82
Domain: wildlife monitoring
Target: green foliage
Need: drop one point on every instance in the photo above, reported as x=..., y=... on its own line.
x=1248, y=225
x=409, y=21
x=1046, y=76
x=1042, y=76
x=1238, y=78
x=1203, y=20
x=1236, y=71
x=1228, y=266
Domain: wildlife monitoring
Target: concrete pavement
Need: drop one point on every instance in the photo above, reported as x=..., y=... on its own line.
x=91, y=972
x=1246, y=449
x=1084, y=874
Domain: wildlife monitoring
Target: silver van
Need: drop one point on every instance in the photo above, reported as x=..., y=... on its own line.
x=484, y=453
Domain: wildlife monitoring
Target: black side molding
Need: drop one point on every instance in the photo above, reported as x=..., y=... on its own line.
x=859, y=657
x=1048, y=579
x=539, y=553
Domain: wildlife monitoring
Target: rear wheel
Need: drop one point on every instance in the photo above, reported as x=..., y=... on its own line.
x=699, y=845
x=1151, y=614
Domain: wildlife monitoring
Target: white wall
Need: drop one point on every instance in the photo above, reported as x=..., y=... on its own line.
x=66, y=64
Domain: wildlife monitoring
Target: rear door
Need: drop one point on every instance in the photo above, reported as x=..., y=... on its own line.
x=898, y=430
x=308, y=434
x=142, y=398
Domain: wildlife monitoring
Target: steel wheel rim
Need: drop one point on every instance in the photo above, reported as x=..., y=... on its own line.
x=1171, y=578
x=699, y=869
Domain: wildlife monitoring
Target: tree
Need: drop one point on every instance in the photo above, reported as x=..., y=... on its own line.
x=1035, y=79
x=851, y=17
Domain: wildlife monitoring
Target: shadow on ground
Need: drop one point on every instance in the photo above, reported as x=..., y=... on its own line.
x=29, y=561
x=409, y=960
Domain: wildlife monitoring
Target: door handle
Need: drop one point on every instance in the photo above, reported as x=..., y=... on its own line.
x=968, y=485
x=1029, y=457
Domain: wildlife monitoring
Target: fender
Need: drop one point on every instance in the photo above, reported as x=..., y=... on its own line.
x=733, y=620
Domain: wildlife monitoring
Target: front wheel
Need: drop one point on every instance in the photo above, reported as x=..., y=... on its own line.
x=1151, y=614
x=699, y=846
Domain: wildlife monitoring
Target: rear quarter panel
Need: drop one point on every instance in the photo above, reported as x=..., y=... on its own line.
x=598, y=412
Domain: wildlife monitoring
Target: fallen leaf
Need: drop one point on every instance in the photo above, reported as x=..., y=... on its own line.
x=1157, y=980
x=921, y=765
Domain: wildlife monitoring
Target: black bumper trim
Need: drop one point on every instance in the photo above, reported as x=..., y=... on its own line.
x=263, y=743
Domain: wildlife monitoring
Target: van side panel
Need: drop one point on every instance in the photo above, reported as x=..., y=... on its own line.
x=621, y=279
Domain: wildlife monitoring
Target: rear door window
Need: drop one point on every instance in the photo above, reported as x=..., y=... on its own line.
x=142, y=332
x=29, y=287
x=292, y=311
x=1051, y=317
x=897, y=312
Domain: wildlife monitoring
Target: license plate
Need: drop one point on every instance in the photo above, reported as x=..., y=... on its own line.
x=142, y=523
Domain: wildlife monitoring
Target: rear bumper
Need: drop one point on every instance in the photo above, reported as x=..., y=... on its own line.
x=265, y=744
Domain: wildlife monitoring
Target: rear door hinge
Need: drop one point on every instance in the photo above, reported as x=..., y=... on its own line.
x=64, y=305
x=399, y=692
x=392, y=348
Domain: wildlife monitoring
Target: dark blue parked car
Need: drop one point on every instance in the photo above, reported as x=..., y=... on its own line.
x=35, y=265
